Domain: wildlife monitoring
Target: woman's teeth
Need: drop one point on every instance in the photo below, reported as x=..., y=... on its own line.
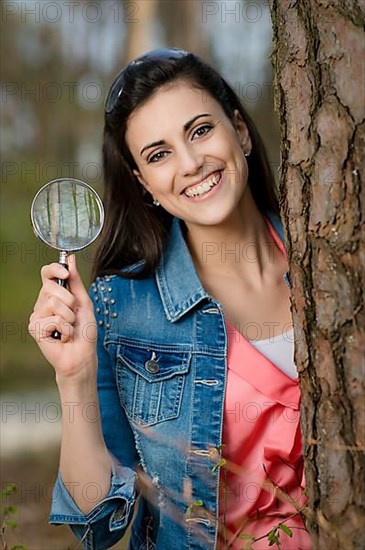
x=201, y=189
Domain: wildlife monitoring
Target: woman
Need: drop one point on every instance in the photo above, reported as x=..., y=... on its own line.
x=190, y=399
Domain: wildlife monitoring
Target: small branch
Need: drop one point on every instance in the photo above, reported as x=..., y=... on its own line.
x=336, y=446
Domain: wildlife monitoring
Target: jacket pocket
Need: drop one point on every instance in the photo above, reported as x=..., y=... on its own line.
x=150, y=382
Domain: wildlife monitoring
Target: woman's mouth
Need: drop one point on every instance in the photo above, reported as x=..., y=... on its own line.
x=204, y=189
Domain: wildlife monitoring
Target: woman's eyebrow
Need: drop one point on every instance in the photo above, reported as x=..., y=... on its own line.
x=186, y=127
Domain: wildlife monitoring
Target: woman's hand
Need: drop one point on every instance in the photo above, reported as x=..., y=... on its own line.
x=70, y=311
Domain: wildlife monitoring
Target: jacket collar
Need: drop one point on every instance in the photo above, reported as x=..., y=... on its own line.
x=177, y=280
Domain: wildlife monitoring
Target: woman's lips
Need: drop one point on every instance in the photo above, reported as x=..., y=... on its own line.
x=205, y=180
x=210, y=193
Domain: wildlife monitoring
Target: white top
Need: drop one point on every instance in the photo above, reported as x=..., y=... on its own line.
x=280, y=351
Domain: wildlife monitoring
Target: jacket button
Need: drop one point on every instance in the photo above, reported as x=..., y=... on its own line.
x=152, y=366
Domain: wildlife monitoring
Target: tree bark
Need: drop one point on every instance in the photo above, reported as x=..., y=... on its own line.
x=318, y=59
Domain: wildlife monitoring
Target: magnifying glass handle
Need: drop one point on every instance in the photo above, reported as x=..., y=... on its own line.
x=62, y=282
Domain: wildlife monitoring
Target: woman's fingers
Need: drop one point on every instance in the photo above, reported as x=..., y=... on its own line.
x=53, y=271
x=53, y=305
x=42, y=329
x=75, y=284
x=55, y=299
x=69, y=311
x=72, y=304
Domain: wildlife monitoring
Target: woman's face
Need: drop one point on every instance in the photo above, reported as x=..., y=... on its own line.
x=189, y=155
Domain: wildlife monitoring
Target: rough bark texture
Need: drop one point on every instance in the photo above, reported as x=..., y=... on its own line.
x=318, y=59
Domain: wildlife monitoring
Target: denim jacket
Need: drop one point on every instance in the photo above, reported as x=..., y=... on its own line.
x=162, y=349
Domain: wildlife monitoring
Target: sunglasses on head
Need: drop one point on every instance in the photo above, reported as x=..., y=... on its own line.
x=116, y=88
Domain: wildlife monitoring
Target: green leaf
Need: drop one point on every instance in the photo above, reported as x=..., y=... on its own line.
x=11, y=523
x=272, y=536
x=10, y=489
x=190, y=508
x=11, y=509
x=222, y=462
x=286, y=529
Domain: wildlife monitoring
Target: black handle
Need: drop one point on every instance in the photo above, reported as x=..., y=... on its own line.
x=62, y=282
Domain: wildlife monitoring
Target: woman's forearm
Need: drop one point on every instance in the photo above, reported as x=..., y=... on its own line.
x=85, y=463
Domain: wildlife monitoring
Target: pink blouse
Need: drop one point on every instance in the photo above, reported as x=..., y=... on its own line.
x=263, y=449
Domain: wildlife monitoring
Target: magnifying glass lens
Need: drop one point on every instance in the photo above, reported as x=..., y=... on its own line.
x=67, y=215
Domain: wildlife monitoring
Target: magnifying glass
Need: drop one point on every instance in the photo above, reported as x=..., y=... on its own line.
x=67, y=215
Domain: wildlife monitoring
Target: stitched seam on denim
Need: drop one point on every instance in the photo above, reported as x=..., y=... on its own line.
x=183, y=360
x=217, y=471
x=131, y=267
x=134, y=409
x=149, y=344
x=191, y=417
x=203, y=350
x=154, y=417
x=175, y=311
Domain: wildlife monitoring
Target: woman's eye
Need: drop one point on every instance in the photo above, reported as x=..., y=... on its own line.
x=203, y=130
x=157, y=156
x=200, y=132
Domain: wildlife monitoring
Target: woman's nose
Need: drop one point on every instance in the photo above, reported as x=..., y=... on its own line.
x=190, y=161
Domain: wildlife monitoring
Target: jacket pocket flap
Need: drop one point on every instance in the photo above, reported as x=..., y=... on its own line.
x=152, y=364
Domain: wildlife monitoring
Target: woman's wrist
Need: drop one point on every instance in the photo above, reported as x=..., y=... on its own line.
x=82, y=386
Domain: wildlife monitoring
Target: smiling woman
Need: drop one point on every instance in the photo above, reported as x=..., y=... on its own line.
x=125, y=198
x=196, y=160
x=196, y=421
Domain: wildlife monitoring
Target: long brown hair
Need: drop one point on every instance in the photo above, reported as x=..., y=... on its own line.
x=135, y=229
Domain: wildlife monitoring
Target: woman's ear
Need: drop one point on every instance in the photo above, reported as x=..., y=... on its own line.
x=141, y=180
x=242, y=131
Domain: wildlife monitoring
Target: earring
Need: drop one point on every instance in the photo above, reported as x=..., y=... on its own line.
x=247, y=153
x=155, y=202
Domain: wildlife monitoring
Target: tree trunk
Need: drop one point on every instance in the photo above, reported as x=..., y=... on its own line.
x=182, y=26
x=318, y=60
x=139, y=17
